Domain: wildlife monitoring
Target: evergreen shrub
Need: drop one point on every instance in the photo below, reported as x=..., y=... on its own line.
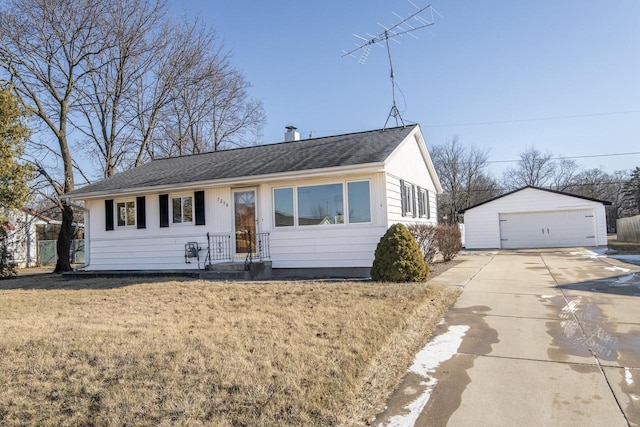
x=398, y=258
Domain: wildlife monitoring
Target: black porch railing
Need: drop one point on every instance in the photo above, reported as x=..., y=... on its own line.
x=219, y=248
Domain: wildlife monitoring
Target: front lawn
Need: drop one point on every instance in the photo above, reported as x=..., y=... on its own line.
x=135, y=352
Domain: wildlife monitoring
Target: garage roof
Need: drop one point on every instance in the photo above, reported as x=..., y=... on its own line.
x=604, y=202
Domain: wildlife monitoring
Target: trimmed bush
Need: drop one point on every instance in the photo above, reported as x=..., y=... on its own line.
x=425, y=235
x=398, y=258
x=449, y=241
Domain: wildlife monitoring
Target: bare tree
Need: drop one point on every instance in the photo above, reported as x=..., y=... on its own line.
x=534, y=168
x=107, y=104
x=46, y=50
x=564, y=174
x=463, y=174
x=214, y=113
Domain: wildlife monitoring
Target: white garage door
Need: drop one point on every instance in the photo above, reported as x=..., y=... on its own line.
x=547, y=229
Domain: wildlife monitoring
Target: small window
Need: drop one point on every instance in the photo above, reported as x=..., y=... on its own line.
x=182, y=209
x=407, y=198
x=283, y=207
x=423, y=203
x=126, y=212
x=359, y=200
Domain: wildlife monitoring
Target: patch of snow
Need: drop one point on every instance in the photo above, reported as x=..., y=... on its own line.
x=616, y=268
x=571, y=306
x=439, y=350
x=628, y=376
x=591, y=253
x=547, y=296
x=635, y=397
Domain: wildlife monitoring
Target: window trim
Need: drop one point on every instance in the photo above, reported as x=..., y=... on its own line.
x=345, y=205
x=407, y=198
x=423, y=203
x=346, y=186
x=181, y=196
x=126, y=201
x=293, y=202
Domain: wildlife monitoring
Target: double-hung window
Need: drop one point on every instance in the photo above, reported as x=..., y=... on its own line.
x=126, y=213
x=406, y=192
x=423, y=203
x=182, y=209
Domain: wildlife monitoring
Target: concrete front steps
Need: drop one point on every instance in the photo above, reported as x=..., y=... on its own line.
x=257, y=270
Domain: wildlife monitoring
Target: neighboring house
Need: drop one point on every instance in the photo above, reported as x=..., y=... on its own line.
x=316, y=205
x=533, y=217
x=22, y=240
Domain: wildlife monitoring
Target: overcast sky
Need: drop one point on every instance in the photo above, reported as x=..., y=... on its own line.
x=562, y=76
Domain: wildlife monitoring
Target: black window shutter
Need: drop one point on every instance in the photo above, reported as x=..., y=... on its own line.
x=108, y=214
x=413, y=200
x=428, y=207
x=402, y=197
x=164, y=210
x=141, y=213
x=198, y=199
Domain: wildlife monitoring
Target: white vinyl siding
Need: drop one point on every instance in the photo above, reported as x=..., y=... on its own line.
x=154, y=248
x=326, y=247
x=394, y=204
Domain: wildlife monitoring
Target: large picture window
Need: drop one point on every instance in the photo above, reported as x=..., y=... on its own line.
x=182, y=209
x=323, y=204
x=283, y=204
x=359, y=201
x=126, y=212
x=320, y=205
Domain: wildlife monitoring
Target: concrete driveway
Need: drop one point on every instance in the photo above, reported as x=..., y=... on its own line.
x=537, y=338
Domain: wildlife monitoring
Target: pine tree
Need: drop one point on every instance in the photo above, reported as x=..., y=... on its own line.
x=632, y=190
x=14, y=175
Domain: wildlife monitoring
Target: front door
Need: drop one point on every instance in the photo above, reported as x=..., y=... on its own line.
x=244, y=205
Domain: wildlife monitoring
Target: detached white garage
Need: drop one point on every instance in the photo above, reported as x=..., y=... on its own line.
x=533, y=217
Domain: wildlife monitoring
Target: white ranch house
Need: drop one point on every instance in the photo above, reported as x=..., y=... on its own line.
x=307, y=207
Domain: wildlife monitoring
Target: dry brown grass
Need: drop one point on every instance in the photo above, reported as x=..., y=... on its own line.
x=130, y=352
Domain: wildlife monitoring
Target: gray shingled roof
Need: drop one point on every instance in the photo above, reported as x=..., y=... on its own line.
x=317, y=153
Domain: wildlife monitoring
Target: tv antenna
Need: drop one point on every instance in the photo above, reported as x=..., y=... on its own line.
x=407, y=26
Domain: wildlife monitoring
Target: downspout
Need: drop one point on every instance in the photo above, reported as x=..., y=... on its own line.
x=87, y=252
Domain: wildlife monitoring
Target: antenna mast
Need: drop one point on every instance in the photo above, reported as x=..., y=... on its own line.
x=395, y=31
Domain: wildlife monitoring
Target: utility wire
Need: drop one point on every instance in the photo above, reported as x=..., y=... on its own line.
x=539, y=119
x=572, y=157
